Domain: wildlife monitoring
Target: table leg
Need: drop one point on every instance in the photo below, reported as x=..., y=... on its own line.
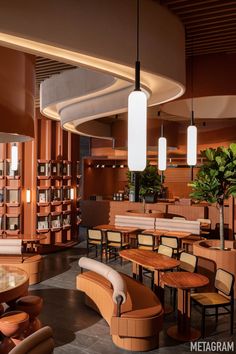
x=159, y=291
x=182, y=331
x=140, y=273
x=134, y=270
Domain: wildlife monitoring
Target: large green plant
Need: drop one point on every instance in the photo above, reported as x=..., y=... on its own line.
x=150, y=181
x=216, y=180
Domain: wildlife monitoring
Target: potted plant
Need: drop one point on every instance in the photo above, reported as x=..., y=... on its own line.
x=216, y=180
x=151, y=184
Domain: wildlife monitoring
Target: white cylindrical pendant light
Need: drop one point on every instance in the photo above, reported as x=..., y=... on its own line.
x=137, y=131
x=72, y=193
x=14, y=158
x=192, y=145
x=28, y=196
x=162, y=148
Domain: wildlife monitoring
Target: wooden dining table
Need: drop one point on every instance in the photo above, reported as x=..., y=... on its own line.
x=126, y=231
x=184, y=282
x=151, y=260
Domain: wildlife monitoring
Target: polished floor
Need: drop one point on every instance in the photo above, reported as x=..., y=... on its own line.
x=78, y=329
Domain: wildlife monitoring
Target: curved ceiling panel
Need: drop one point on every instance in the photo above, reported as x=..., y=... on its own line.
x=211, y=107
x=111, y=51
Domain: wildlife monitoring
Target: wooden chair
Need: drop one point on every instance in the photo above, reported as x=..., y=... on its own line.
x=172, y=242
x=114, y=244
x=147, y=242
x=188, y=263
x=223, y=298
x=95, y=240
x=40, y=341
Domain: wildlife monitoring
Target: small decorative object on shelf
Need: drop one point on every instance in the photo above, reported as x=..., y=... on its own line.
x=66, y=193
x=1, y=223
x=56, y=195
x=42, y=223
x=1, y=196
x=56, y=221
x=1, y=168
x=43, y=169
x=43, y=195
x=56, y=169
x=66, y=169
x=12, y=173
x=66, y=220
x=12, y=223
x=12, y=196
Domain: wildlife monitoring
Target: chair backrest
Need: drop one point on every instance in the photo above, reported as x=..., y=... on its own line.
x=145, y=240
x=188, y=262
x=40, y=342
x=94, y=234
x=165, y=250
x=118, y=283
x=224, y=281
x=114, y=236
x=178, y=225
x=178, y=218
x=169, y=241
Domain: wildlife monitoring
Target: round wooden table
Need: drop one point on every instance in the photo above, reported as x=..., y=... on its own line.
x=184, y=282
x=14, y=282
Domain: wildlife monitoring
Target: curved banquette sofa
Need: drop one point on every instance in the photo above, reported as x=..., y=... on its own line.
x=132, y=310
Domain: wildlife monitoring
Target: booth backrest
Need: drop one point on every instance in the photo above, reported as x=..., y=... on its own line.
x=10, y=247
x=178, y=225
x=118, y=284
x=135, y=221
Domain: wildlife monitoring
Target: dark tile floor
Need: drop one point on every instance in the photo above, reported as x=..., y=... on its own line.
x=78, y=329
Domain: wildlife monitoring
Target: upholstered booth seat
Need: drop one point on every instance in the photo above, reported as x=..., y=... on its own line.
x=140, y=320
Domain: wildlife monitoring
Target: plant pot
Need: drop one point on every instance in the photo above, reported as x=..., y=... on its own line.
x=209, y=251
x=150, y=198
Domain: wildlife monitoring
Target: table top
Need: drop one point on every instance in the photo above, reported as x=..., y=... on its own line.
x=11, y=278
x=184, y=280
x=178, y=234
x=123, y=229
x=149, y=259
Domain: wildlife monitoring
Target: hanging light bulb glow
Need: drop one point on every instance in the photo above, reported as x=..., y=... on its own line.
x=162, y=149
x=192, y=143
x=137, y=131
x=14, y=157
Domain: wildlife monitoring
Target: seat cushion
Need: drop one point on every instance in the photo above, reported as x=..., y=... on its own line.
x=95, y=242
x=117, y=244
x=208, y=299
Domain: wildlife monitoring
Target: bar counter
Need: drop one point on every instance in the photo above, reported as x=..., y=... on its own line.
x=104, y=211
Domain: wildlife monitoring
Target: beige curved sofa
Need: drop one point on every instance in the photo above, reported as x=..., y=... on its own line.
x=136, y=325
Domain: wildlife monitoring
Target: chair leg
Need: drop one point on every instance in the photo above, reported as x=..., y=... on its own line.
x=96, y=249
x=106, y=250
x=203, y=322
x=101, y=250
x=216, y=315
x=87, y=249
x=152, y=281
x=232, y=318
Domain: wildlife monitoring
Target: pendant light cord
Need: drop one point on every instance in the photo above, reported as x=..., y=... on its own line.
x=192, y=111
x=137, y=63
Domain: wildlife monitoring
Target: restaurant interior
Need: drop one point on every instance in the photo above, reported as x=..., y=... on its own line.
x=117, y=176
